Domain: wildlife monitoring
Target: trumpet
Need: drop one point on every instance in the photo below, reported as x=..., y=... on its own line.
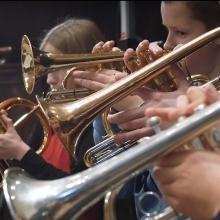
x=37, y=63
x=77, y=193
x=73, y=117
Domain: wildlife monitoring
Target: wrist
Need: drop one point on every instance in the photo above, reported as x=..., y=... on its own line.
x=21, y=151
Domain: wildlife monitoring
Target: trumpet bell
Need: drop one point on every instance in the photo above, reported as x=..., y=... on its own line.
x=28, y=64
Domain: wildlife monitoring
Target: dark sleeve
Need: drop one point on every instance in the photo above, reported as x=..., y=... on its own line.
x=38, y=168
x=86, y=142
x=36, y=136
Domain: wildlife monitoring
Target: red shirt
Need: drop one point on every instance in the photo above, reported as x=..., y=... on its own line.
x=56, y=154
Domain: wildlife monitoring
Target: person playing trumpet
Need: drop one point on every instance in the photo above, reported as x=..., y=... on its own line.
x=72, y=36
x=184, y=21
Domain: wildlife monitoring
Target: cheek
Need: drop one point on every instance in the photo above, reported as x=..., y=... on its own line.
x=70, y=84
x=200, y=60
x=62, y=74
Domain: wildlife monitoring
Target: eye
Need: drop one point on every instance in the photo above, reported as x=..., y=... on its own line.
x=181, y=33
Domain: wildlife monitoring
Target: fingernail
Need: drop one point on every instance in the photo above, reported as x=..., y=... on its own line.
x=141, y=44
x=156, y=50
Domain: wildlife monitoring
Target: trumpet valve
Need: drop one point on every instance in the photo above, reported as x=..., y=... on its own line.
x=154, y=122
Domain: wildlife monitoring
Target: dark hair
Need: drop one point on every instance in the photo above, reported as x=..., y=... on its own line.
x=74, y=35
x=208, y=12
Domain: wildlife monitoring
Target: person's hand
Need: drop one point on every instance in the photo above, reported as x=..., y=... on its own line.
x=11, y=145
x=189, y=181
x=98, y=79
x=103, y=78
x=99, y=76
x=133, y=122
x=107, y=47
x=186, y=104
x=146, y=53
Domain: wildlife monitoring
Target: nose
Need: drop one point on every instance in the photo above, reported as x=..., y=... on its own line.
x=169, y=44
x=52, y=80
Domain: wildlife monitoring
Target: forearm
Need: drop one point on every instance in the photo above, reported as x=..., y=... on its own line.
x=37, y=167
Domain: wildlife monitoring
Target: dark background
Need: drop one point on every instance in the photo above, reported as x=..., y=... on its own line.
x=31, y=18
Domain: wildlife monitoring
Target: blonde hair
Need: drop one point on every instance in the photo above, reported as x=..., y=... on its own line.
x=74, y=35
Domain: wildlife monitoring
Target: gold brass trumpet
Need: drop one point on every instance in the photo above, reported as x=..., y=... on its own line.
x=70, y=119
x=37, y=63
x=30, y=199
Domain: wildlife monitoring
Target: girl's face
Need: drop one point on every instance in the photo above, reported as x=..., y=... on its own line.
x=55, y=79
x=182, y=28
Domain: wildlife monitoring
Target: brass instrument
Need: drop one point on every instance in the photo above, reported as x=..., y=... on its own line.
x=67, y=95
x=69, y=197
x=16, y=102
x=72, y=118
x=37, y=63
x=103, y=151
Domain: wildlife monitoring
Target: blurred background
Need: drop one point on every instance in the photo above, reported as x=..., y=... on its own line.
x=32, y=18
